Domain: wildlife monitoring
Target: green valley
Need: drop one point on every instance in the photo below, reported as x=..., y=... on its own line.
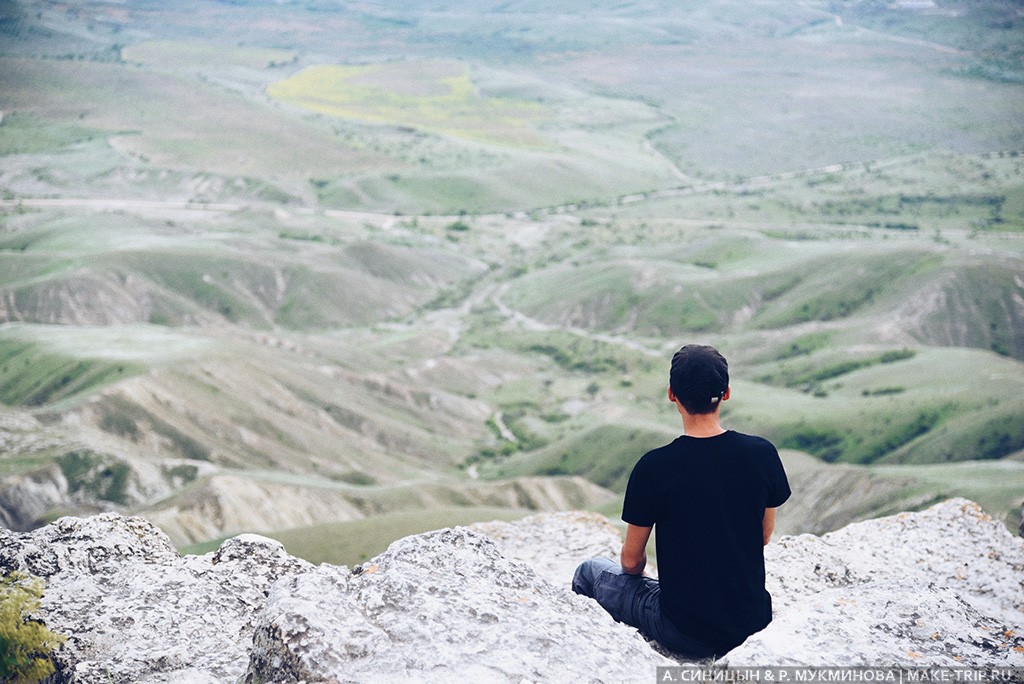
x=337, y=272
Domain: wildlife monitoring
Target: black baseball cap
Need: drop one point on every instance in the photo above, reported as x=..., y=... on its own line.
x=699, y=375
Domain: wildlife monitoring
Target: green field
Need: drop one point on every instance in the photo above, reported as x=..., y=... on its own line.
x=433, y=96
x=352, y=543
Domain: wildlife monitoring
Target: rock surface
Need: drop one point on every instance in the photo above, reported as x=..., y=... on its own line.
x=134, y=610
x=491, y=603
x=943, y=587
x=553, y=544
x=440, y=607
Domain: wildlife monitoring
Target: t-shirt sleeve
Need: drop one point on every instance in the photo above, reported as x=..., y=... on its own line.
x=638, y=506
x=778, y=483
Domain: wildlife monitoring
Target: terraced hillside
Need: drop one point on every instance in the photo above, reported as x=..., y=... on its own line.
x=325, y=270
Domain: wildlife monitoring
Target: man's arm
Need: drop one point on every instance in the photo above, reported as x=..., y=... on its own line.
x=634, y=549
x=768, y=524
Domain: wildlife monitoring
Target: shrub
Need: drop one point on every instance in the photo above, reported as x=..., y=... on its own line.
x=356, y=477
x=900, y=435
x=826, y=444
x=101, y=476
x=805, y=345
x=897, y=355
x=882, y=391
x=121, y=425
x=25, y=643
x=458, y=226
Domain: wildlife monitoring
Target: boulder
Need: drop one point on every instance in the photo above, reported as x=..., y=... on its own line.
x=553, y=544
x=433, y=606
x=440, y=607
x=942, y=587
x=492, y=603
x=136, y=611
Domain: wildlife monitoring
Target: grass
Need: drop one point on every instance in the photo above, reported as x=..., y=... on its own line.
x=794, y=100
x=354, y=542
x=570, y=351
x=875, y=195
x=433, y=95
x=804, y=345
x=812, y=375
x=211, y=283
x=16, y=465
x=836, y=288
x=987, y=31
x=26, y=133
x=151, y=271
x=96, y=476
x=606, y=295
x=994, y=485
x=992, y=432
x=604, y=455
x=827, y=121
x=31, y=375
x=837, y=208
x=647, y=295
x=131, y=344
x=229, y=135
x=858, y=417
x=121, y=417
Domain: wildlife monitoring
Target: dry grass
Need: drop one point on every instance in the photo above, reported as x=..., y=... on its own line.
x=436, y=96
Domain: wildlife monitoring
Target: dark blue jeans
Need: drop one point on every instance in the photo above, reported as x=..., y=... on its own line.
x=633, y=599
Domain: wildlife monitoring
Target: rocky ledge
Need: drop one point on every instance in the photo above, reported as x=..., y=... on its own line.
x=943, y=587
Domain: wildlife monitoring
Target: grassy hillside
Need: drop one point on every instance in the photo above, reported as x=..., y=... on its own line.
x=354, y=542
x=551, y=108
x=236, y=268
x=429, y=261
x=33, y=376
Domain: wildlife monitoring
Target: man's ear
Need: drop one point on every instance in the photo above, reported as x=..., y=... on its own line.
x=671, y=395
x=728, y=393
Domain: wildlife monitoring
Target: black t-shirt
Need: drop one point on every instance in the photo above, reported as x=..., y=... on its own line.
x=707, y=498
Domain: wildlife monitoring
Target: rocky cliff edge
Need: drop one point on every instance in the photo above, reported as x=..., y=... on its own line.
x=943, y=587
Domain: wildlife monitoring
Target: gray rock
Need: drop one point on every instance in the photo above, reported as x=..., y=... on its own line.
x=440, y=607
x=311, y=626
x=553, y=544
x=134, y=610
x=940, y=587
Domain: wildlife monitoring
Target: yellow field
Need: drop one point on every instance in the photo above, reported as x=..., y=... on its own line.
x=435, y=95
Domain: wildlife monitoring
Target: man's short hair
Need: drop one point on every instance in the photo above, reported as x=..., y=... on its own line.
x=699, y=378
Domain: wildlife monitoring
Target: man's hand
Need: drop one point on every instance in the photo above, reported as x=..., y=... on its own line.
x=634, y=549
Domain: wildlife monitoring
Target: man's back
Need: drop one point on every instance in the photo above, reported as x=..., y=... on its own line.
x=707, y=498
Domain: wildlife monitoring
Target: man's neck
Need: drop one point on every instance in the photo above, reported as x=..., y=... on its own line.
x=702, y=425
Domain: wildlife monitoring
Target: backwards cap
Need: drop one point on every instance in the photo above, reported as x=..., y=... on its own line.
x=699, y=376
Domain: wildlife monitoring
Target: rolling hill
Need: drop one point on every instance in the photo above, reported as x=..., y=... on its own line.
x=314, y=268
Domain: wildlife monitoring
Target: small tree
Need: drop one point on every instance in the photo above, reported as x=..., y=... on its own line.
x=25, y=642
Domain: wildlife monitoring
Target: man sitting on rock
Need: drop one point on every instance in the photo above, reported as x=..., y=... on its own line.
x=712, y=494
